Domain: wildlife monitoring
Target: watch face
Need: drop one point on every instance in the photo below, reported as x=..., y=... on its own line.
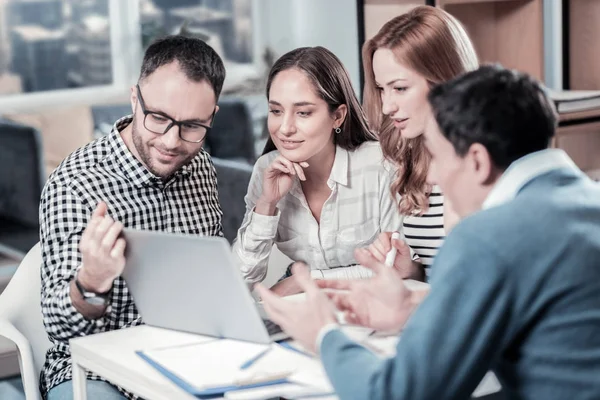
x=96, y=300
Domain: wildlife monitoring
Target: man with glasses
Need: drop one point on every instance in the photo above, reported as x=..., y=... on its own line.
x=149, y=173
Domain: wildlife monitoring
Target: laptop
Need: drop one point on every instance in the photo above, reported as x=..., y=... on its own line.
x=191, y=284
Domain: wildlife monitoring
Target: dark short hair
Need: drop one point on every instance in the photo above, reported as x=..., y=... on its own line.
x=197, y=60
x=506, y=111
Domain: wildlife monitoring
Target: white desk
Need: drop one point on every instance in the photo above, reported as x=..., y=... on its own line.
x=112, y=356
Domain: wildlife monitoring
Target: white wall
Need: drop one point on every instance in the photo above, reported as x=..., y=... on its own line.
x=288, y=24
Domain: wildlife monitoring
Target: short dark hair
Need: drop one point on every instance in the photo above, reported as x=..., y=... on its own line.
x=197, y=60
x=506, y=111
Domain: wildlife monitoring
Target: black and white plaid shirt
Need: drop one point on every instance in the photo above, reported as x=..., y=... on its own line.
x=105, y=170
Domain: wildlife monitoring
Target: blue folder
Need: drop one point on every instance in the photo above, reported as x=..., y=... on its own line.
x=206, y=393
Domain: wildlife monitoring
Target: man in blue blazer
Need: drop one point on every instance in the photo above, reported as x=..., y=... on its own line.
x=516, y=286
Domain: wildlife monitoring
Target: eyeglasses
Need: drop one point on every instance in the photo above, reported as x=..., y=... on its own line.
x=160, y=123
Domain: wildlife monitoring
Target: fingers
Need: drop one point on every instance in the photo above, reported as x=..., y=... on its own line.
x=378, y=250
x=290, y=167
x=381, y=246
x=352, y=319
x=383, y=241
x=101, y=235
x=274, y=305
x=118, y=250
x=109, y=239
x=100, y=210
x=300, y=272
x=341, y=300
x=366, y=259
x=278, y=166
x=287, y=164
x=400, y=245
x=97, y=217
x=341, y=284
x=299, y=171
x=102, y=228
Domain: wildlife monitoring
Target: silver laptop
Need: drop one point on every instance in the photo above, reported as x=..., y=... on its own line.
x=191, y=283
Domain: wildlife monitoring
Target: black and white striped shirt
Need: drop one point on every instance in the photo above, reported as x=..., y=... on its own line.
x=425, y=233
x=105, y=170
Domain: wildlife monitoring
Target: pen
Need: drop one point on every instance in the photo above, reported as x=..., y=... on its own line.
x=254, y=359
x=391, y=255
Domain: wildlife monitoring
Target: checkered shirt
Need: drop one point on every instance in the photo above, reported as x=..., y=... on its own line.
x=105, y=170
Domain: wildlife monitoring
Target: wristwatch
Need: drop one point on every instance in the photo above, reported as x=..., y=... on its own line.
x=95, y=299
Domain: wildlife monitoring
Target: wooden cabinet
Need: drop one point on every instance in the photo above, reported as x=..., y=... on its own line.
x=505, y=31
x=378, y=12
x=511, y=32
x=579, y=133
x=584, y=44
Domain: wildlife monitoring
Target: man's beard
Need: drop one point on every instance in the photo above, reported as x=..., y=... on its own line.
x=144, y=152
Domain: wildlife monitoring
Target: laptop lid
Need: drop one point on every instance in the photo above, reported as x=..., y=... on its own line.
x=190, y=283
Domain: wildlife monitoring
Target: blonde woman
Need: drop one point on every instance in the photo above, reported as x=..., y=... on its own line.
x=408, y=55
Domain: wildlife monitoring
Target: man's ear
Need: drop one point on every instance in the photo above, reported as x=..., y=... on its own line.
x=133, y=98
x=339, y=115
x=481, y=164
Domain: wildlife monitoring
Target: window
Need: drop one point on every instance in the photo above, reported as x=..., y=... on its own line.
x=226, y=25
x=83, y=51
x=53, y=44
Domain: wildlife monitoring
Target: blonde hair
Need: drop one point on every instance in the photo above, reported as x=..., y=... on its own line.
x=434, y=44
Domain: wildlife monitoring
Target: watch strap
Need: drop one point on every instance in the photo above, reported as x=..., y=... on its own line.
x=92, y=297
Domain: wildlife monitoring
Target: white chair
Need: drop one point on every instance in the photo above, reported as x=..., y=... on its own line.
x=21, y=320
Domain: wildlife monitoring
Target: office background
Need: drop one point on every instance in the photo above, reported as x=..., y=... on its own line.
x=66, y=67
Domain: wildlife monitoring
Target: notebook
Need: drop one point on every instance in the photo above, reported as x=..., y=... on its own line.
x=213, y=368
x=567, y=101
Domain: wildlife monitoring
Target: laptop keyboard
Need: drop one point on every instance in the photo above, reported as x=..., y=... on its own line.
x=272, y=327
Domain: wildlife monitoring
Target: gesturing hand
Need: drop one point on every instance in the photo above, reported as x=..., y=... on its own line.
x=381, y=302
x=278, y=179
x=301, y=320
x=102, y=250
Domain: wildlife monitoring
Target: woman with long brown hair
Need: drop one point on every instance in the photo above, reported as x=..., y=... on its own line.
x=410, y=54
x=321, y=188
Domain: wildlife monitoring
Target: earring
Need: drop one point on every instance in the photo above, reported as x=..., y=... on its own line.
x=338, y=130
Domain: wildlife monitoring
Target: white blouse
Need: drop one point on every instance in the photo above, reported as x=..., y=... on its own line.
x=359, y=208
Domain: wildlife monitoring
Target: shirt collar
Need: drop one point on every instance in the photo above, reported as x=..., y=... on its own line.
x=339, y=171
x=523, y=171
x=129, y=164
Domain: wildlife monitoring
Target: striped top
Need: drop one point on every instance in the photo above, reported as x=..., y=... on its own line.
x=425, y=233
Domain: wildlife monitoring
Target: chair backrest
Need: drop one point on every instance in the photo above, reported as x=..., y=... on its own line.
x=231, y=136
x=21, y=182
x=233, y=178
x=20, y=303
x=21, y=172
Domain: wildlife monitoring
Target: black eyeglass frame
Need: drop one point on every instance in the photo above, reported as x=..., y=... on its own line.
x=174, y=122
